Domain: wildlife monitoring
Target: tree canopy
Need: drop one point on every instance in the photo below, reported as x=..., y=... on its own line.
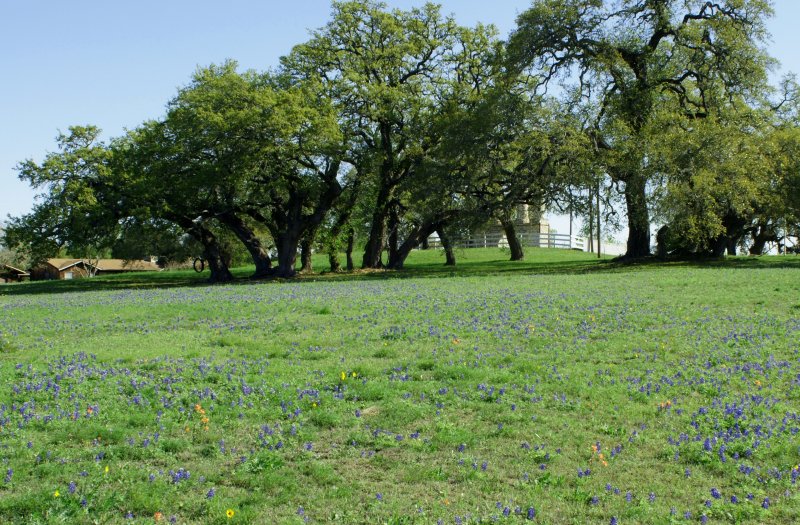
x=389, y=125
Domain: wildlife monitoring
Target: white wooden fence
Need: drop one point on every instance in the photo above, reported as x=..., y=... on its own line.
x=498, y=240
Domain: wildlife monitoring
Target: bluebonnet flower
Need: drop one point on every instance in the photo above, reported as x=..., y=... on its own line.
x=211, y=493
x=765, y=503
x=715, y=493
x=531, y=513
x=9, y=475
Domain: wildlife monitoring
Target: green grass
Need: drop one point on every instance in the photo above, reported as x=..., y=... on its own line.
x=463, y=388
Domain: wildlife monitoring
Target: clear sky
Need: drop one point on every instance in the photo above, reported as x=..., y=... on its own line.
x=116, y=64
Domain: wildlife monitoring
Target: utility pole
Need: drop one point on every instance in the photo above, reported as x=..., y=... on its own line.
x=598, y=219
x=591, y=222
x=570, y=218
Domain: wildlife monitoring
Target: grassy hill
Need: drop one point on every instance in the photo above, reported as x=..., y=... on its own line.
x=561, y=389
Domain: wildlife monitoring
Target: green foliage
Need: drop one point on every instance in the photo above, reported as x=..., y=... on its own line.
x=636, y=62
x=71, y=212
x=388, y=125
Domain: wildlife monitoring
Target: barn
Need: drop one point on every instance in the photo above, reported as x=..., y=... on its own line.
x=9, y=274
x=59, y=269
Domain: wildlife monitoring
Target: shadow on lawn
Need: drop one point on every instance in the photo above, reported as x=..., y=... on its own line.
x=465, y=268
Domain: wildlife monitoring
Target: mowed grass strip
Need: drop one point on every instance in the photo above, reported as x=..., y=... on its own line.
x=560, y=389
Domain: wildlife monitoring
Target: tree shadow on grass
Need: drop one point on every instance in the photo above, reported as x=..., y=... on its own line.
x=431, y=270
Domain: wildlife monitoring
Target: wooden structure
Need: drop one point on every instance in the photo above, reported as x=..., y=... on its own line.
x=529, y=224
x=61, y=269
x=9, y=274
x=106, y=266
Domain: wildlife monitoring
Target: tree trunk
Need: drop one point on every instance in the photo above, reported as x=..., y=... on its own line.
x=425, y=244
x=333, y=260
x=763, y=235
x=377, y=232
x=212, y=251
x=342, y=224
x=247, y=236
x=719, y=245
x=351, y=241
x=513, y=242
x=395, y=258
x=661, y=242
x=411, y=242
x=305, y=255
x=217, y=265
x=638, y=217
x=287, y=243
x=732, y=242
x=735, y=226
x=449, y=255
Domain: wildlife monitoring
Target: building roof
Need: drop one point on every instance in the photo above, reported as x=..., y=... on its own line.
x=121, y=265
x=15, y=270
x=106, y=265
x=63, y=264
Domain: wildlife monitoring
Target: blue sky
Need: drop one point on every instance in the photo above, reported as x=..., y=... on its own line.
x=116, y=64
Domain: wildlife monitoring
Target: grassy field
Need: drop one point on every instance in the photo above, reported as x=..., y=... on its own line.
x=561, y=389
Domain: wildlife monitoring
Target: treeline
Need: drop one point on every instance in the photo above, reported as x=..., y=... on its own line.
x=388, y=125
